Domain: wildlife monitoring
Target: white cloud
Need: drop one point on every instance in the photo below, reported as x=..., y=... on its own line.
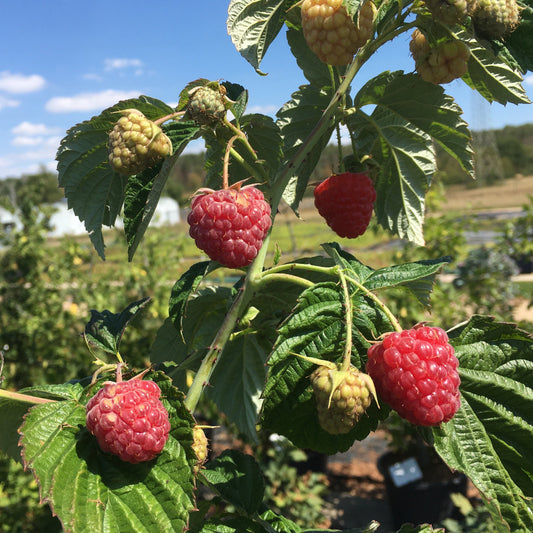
x=22, y=140
x=88, y=101
x=29, y=129
x=529, y=79
x=19, y=83
x=121, y=63
x=8, y=102
x=91, y=76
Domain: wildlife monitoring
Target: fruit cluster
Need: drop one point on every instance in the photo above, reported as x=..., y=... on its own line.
x=129, y=420
x=230, y=225
x=331, y=33
x=442, y=63
x=415, y=372
x=346, y=201
x=136, y=143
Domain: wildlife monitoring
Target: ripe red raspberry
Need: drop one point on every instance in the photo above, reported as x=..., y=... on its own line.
x=128, y=419
x=229, y=225
x=415, y=372
x=346, y=201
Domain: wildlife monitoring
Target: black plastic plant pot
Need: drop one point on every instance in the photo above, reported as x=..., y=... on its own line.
x=420, y=497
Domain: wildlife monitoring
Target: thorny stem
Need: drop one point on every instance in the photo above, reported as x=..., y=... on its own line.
x=393, y=320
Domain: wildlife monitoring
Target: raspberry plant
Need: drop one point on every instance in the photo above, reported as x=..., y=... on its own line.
x=252, y=347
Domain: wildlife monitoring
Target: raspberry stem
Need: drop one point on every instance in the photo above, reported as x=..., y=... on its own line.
x=225, y=167
x=393, y=320
x=172, y=116
x=347, y=357
x=26, y=398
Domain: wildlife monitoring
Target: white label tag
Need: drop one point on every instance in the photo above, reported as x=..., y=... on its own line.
x=405, y=472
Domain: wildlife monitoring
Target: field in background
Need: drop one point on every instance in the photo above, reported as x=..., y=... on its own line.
x=512, y=192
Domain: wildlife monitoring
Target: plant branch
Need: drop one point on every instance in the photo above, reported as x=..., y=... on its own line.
x=328, y=271
x=285, y=277
x=26, y=398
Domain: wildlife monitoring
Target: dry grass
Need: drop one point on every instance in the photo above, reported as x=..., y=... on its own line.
x=512, y=193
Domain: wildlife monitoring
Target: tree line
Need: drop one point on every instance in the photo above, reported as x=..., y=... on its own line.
x=500, y=154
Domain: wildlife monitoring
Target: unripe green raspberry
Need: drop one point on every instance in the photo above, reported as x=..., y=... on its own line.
x=342, y=396
x=442, y=63
x=495, y=18
x=331, y=33
x=207, y=105
x=136, y=143
x=199, y=445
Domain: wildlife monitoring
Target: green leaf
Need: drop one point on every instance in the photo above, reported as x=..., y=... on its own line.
x=105, y=329
x=490, y=75
x=407, y=163
x=316, y=328
x=94, y=491
x=12, y=413
x=144, y=190
x=520, y=42
x=184, y=342
x=418, y=276
x=424, y=105
x=254, y=24
x=238, y=94
x=296, y=119
x=489, y=437
x=93, y=190
x=265, y=137
x=237, y=478
x=183, y=289
x=238, y=380
x=315, y=71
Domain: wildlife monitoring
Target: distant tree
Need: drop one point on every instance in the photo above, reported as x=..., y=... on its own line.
x=36, y=189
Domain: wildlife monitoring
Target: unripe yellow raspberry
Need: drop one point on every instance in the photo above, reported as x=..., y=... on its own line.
x=342, y=397
x=442, y=63
x=331, y=33
x=136, y=143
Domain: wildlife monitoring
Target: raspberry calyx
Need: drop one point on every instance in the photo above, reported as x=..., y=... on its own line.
x=128, y=419
x=415, y=372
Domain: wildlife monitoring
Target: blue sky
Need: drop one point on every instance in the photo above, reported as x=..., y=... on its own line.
x=62, y=62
